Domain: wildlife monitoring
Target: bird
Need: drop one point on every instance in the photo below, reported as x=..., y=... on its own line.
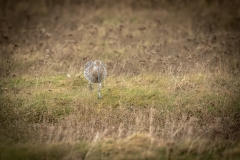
x=95, y=72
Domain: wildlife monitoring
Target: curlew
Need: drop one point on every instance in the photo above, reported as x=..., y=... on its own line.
x=95, y=72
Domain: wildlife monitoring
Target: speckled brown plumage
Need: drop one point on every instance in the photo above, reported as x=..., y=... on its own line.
x=95, y=72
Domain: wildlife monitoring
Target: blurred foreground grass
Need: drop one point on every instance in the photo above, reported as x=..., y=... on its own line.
x=131, y=148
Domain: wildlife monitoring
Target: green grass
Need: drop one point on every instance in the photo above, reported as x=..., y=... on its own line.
x=135, y=103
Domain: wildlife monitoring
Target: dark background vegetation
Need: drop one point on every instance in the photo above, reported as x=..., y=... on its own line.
x=205, y=18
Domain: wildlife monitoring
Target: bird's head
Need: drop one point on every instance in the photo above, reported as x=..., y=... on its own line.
x=97, y=62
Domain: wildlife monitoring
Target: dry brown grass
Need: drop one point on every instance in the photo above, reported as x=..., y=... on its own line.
x=172, y=91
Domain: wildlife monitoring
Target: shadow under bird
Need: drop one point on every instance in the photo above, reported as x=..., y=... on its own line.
x=95, y=72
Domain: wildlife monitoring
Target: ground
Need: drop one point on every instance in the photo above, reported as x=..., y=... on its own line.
x=172, y=90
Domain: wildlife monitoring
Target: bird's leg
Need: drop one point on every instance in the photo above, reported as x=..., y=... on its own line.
x=99, y=94
x=99, y=84
x=90, y=86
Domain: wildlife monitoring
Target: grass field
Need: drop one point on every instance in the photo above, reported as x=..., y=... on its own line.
x=172, y=91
